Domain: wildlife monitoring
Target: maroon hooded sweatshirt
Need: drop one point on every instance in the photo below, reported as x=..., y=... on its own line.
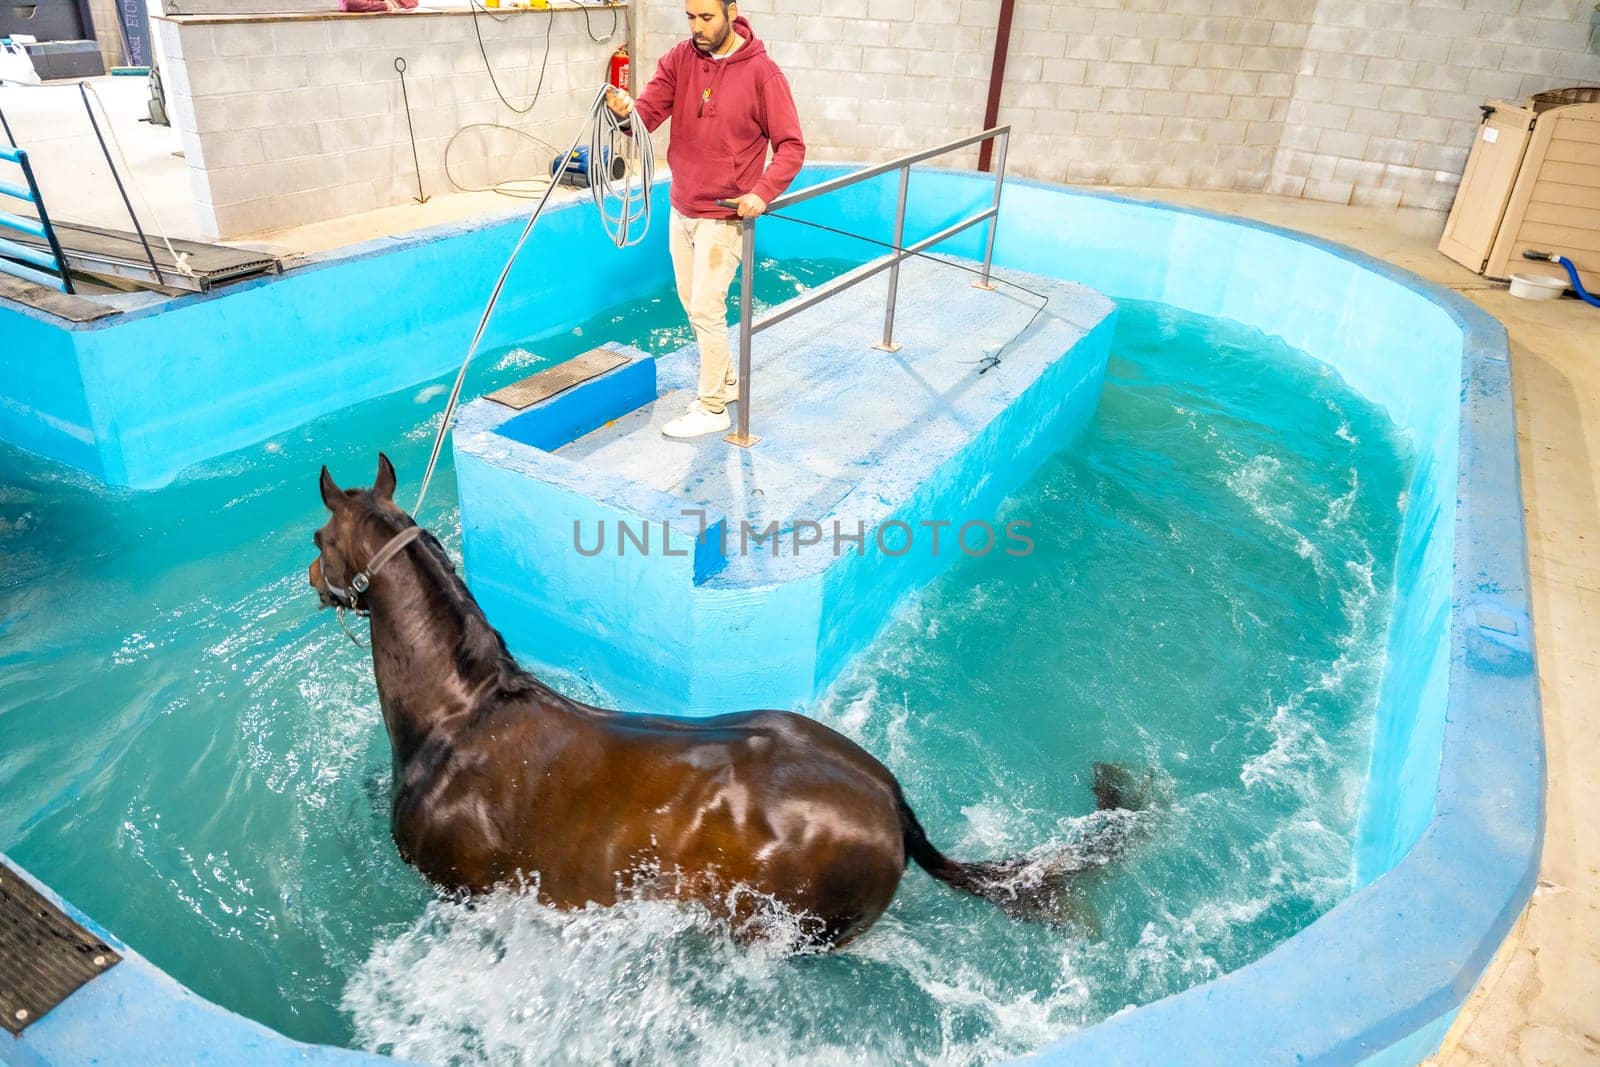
x=724, y=113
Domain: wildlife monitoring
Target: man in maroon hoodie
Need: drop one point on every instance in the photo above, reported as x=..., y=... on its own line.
x=728, y=101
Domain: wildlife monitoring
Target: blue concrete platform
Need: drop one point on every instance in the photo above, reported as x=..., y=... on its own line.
x=697, y=577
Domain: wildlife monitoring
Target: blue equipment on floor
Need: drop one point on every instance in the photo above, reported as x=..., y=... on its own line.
x=578, y=171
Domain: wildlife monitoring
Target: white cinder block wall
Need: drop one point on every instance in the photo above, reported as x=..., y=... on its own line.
x=1386, y=103
x=293, y=118
x=1338, y=100
x=297, y=118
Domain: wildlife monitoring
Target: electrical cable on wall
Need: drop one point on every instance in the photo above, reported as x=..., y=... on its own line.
x=524, y=188
x=549, y=27
x=589, y=26
x=530, y=186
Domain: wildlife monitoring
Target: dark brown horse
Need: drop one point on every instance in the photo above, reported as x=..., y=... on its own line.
x=498, y=778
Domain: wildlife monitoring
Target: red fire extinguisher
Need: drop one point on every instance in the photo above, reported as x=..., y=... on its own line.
x=619, y=68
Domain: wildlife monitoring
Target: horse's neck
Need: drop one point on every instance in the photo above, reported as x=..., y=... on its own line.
x=434, y=654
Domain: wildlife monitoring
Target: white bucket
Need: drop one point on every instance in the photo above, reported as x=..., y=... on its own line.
x=1537, y=286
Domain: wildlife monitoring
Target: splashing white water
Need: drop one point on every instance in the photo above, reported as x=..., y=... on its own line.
x=1254, y=483
x=510, y=981
x=517, y=359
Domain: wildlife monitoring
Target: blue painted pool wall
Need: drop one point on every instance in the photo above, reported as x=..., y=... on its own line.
x=187, y=380
x=43, y=407
x=587, y=406
x=1415, y=1048
x=563, y=618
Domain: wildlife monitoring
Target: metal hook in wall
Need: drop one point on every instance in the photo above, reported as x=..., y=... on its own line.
x=400, y=68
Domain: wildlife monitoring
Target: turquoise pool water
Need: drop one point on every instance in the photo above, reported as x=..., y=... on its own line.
x=191, y=753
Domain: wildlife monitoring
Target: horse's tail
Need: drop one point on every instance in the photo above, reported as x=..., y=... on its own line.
x=1036, y=887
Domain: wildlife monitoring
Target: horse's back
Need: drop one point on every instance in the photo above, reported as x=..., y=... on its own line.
x=774, y=801
x=768, y=732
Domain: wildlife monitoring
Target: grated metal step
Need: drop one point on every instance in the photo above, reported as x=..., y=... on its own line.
x=119, y=254
x=44, y=955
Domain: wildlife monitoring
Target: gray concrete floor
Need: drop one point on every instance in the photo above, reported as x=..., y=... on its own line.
x=1539, y=1002
x=50, y=121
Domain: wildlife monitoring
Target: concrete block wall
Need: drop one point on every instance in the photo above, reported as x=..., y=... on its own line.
x=1153, y=92
x=882, y=79
x=1386, y=103
x=1370, y=101
x=293, y=119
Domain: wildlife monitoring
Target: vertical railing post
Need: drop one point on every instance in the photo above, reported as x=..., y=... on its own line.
x=747, y=264
x=748, y=327
x=994, y=221
x=888, y=344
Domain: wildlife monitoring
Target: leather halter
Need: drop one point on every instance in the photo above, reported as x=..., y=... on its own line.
x=348, y=598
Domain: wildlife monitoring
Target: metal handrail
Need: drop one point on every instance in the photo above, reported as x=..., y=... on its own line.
x=800, y=196
x=890, y=261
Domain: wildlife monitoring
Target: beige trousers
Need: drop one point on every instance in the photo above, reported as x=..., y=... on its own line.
x=705, y=257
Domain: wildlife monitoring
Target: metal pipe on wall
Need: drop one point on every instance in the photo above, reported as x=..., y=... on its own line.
x=997, y=80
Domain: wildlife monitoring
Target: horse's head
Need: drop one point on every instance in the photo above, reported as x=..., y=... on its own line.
x=363, y=532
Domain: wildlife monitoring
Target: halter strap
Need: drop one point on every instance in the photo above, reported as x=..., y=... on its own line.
x=362, y=580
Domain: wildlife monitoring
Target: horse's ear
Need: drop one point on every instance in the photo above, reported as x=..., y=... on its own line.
x=332, y=495
x=383, y=488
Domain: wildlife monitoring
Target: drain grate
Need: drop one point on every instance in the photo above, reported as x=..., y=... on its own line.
x=44, y=955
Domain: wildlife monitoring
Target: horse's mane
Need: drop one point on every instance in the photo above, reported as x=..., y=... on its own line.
x=480, y=643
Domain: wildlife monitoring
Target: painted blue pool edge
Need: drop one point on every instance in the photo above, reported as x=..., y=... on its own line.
x=1379, y=977
x=135, y=398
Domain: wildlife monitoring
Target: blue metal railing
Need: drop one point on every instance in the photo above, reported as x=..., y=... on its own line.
x=14, y=256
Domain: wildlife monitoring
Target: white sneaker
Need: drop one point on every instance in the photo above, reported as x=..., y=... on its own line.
x=697, y=423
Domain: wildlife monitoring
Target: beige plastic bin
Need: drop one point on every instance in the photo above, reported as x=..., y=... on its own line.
x=1532, y=182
